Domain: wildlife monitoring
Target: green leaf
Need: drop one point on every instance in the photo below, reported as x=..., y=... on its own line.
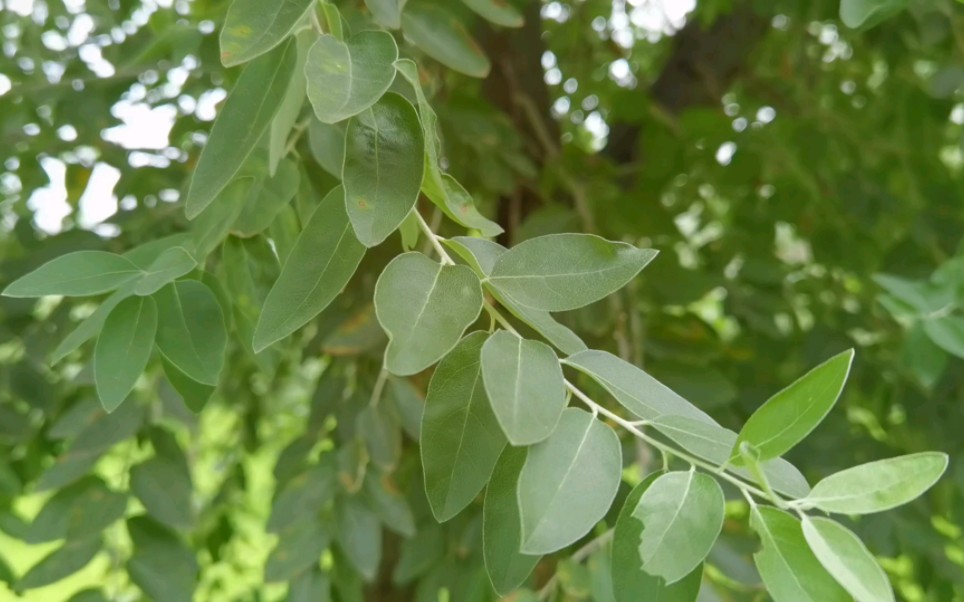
x=387, y=13
x=359, y=535
x=61, y=563
x=630, y=582
x=878, y=486
x=240, y=125
x=382, y=173
x=424, y=307
x=267, y=198
x=458, y=204
x=789, y=569
x=78, y=511
x=440, y=34
x=790, y=415
x=633, y=388
x=442, y=189
x=194, y=394
x=378, y=426
x=923, y=297
x=559, y=272
x=299, y=547
x=525, y=386
x=682, y=515
x=302, y=496
x=502, y=525
x=847, y=559
x=714, y=443
x=92, y=324
x=947, y=332
x=169, y=266
x=162, y=565
x=123, y=349
x=101, y=432
x=420, y=553
x=213, y=224
x=346, y=78
x=290, y=109
x=481, y=255
x=254, y=27
x=327, y=144
x=77, y=274
x=191, y=334
x=461, y=440
x=867, y=13
x=499, y=12
x=323, y=260
x=568, y=482
x=387, y=502
x=310, y=586
x=922, y=357
x=163, y=484
x=250, y=267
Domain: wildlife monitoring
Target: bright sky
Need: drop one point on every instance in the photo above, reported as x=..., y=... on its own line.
x=145, y=129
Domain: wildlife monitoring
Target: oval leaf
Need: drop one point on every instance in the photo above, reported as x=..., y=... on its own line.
x=682, y=515
x=525, y=386
x=789, y=569
x=847, y=559
x=382, y=173
x=240, y=125
x=461, y=440
x=879, y=485
x=630, y=582
x=560, y=272
x=254, y=27
x=790, y=415
x=323, y=260
x=502, y=524
x=424, y=308
x=345, y=78
x=191, y=334
x=568, y=482
x=123, y=348
x=632, y=387
x=75, y=274
x=439, y=34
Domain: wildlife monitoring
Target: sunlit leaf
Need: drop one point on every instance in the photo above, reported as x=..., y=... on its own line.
x=847, y=559
x=880, y=485
x=790, y=415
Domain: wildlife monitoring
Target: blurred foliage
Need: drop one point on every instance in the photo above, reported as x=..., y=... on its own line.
x=814, y=205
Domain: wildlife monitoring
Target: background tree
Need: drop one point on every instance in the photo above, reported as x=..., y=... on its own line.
x=222, y=396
